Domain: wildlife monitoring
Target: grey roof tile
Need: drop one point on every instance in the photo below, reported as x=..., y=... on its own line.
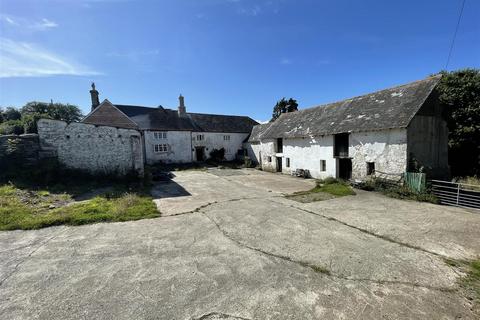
x=386, y=109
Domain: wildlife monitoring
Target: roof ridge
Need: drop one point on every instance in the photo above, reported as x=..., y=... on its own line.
x=367, y=94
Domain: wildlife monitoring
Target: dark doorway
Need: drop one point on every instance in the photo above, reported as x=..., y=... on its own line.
x=279, y=164
x=340, y=145
x=200, y=153
x=279, y=145
x=345, y=168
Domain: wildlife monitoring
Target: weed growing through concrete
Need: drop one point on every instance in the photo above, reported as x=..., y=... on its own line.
x=471, y=281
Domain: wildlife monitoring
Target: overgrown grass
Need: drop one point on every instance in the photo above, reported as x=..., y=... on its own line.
x=20, y=209
x=393, y=190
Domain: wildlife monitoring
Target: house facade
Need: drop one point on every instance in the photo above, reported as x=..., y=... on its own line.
x=389, y=131
x=174, y=136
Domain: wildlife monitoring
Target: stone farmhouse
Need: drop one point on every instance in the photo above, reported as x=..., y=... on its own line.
x=174, y=136
x=388, y=131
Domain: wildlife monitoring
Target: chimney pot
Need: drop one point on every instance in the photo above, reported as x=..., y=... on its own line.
x=182, y=110
x=94, y=96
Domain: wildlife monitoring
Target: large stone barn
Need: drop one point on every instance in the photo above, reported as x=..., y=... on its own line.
x=174, y=136
x=388, y=131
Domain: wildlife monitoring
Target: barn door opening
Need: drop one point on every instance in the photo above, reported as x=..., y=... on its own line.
x=279, y=164
x=200, y=153
x=345, y=168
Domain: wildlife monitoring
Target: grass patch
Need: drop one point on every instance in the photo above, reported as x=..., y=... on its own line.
x=471, y=282
x=325, y=189
x=22, y=209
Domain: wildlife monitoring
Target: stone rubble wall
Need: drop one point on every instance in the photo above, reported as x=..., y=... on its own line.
x=96, y=149
x=24, y=147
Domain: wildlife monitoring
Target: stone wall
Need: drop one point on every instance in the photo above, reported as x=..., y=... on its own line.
x=24, y=147
x=97, y=149
x=386, y=148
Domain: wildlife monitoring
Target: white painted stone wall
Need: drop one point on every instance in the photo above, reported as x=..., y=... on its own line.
x=253, y=151
x=97, y=149
x=387, y=148
x=215, y=140
x=266, y=151
x=179, y=147
x=306, y=153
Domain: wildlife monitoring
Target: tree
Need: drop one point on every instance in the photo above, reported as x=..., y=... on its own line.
x=284, y=106
x=460, y=96
x=11, y=114
x=56, y=111
x=1, y=115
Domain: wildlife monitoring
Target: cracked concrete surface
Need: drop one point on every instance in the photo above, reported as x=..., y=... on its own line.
x=230, y=247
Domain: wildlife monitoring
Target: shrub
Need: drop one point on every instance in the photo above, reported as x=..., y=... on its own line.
x=12, y=127
x=393, y=190
x=217, y=155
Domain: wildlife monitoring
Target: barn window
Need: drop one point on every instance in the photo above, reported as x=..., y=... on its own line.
x=160, y=135
x=287, y=162
x=200, y=137
x=323, y=165
x=370, y=168
x=226, y=138
x=269, y=159
x=159, y=148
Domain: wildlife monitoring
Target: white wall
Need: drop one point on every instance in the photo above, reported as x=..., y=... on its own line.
x=179, y=147
x=306, y=153
x=215, y=140
x=387, y=148
x=97, y=149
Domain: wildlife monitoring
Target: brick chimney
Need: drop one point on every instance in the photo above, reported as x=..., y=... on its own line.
x=94, y=96
x=182, y=111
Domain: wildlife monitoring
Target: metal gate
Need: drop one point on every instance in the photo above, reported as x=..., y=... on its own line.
x=456, y=194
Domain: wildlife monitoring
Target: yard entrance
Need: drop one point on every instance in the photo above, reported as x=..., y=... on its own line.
x=345, y=168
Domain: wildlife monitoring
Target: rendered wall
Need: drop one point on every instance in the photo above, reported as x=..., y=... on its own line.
x=179, y=147
x=214, y=140
x=387, y=148
x=97, y=149
x=306, y=153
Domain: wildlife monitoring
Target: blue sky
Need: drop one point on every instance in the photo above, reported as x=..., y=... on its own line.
x=225, y=56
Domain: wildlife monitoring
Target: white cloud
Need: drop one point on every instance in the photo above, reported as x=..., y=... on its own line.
x=262, y=122
x=45, y=23
x=20, y=59
x=36, y=25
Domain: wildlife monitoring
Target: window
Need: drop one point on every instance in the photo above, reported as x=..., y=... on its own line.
x=279, y=145
x=269, y=159
x=158, y=148
x=287, y=162
x=200, y=137
x=226, y=138
x=370, y=168
x=323, y=165
x=160, y=135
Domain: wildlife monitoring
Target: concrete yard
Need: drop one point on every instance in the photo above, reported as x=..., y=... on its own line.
x=230, y=246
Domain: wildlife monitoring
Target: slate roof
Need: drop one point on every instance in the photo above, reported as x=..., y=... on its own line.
x=168, y=120
x=386, y=109
x=257, y=131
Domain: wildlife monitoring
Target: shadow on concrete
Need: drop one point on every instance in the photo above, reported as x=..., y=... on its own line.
x=168, y=189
